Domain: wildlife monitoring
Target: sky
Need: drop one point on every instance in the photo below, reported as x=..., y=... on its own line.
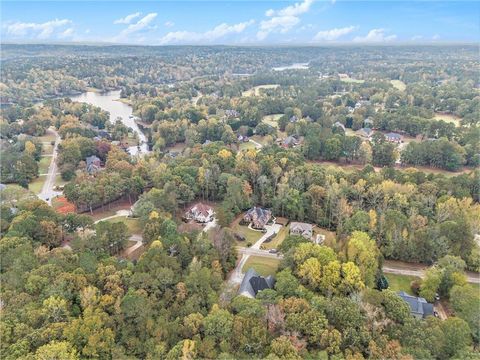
x=195, y=22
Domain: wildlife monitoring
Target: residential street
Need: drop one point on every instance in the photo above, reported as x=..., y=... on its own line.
x=48, y=192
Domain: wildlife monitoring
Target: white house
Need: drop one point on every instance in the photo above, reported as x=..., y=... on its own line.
x=200, y=212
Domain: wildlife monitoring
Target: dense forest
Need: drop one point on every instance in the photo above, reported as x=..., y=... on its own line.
x=317, y=145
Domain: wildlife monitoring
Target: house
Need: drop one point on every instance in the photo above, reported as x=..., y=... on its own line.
x=104, y=134
x=231, y=113
x=200, y=212
x=340, y=125
x=368, y=123
x=365, y=133
x=419, y=307
x=290, y=141
x=93, y=164
x=302, y=229
x=393, y=137
x=257, y=217
x=242, y=138
x=293, y=119
x=253, y=283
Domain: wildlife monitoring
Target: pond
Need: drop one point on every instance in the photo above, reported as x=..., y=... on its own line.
x=109, y=101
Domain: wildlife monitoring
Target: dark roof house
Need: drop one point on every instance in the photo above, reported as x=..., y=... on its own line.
x=253, y=283
x=419, y=307
x=258, y=217
x=93, y=164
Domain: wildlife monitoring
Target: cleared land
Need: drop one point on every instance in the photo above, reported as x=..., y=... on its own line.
x=400, y=282
x=398, y=84
x=133, y=225
x=450, y=118
x=262, y=265
x=272, y=120
x=255, y=91
x=246, y=146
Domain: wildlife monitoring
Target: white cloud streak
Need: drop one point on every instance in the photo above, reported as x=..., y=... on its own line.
x=127, y=19
x=141, y=25
x=169, y=24
x=375, y=36
x=284, y=19
x=178, y=37
x=37, y=30
x=333, y=34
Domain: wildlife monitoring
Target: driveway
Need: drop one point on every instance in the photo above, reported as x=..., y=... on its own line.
x=119, y=213
x=210, y=225
x=47, y=192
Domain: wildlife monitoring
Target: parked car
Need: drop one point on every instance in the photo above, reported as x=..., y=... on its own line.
x=273, y=251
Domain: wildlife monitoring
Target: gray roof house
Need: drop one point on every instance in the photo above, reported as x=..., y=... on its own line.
x=258, y=217
x=365, y=132
x=419, y=307
x=93, y=164
x=302, y=229
x=290, y=141
x=393, y=137
x=253, y=283
x=339, y=124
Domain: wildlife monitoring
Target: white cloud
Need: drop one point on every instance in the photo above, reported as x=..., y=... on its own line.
x=208, y=36
x=127, y=19
x=68, y=33
x=169, y=23
x=38, y=30
x=417, y=37
x=375, y=36
x=141, y=25
x=333, y=34
x=284, y=19
x=435, y=37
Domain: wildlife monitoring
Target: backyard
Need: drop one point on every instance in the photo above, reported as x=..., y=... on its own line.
x=400, y=282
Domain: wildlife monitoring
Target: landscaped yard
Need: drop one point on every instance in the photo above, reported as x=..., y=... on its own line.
x=277, y=240
x=398, y=84
x=251, y=236
x=255, y=91
x=272, y=120
x=43, y=164
x=262, y=265
x=36, y=185
x=400, y=282
x=133, y=225
x=246, y=146
x=352, y=80
x=448, y=118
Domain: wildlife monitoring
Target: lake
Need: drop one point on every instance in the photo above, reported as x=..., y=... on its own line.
x=295, y=66
x=108, y=101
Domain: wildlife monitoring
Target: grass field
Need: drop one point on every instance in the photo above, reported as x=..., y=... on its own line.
x=251, y=236
x=36, y=185
x=398, y=84
x=246, y=146
x=43, y=164
x=59, y=181
x=277, y=240
x=47, y=149
x=262, y=265
x=272, y=120
x=48, y=137
x=448, y=118
x=255, y=91
x=400, y=282
x=133, y=225
x=352, y=81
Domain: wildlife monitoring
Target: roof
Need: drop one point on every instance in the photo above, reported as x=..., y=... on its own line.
x=252, y=283
x=201, y=208
x=290, y=140
x=393, y=135
x=301, y=226
x=339, y=124
x=418, y=305
x=368, y=121
x=366, y=131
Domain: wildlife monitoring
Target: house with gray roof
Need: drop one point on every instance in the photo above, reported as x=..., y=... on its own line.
x=302, y=229
x=366, y=133
x=290, y=141
x=393, y=137
x=419, y=307
x=93, y=164
x=253, y=283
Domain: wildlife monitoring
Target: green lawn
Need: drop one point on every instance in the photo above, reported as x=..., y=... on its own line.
x=400, y=282
x=272, y=120
x=59, y=181
x=133, y=225
x=277, y=240
x=398, y=84
x=351, y=80
x=246, y=146
x=48, y=137
x=262, y=265
x=36, y=185
x=251, y=236
x=43, y=164
x=47, y=149
x=256, y=90
x=448, y=118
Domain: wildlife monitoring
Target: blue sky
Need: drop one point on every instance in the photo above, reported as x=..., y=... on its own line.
x=240, y=22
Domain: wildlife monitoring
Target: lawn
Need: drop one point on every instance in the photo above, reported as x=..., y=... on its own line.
x=133, y=225
x=59, y=181
x=400, y=282
x=48, y=137
x=255, y=91
x=450, y=118
x=251, y=236
x=43, y=164
x=262, y=265
x=352, y=81
x=47, y=149
x=329, y=235
x=272, y=120
x=246, y=146
x=398, y=84
x=37, y=184
x=277, y=240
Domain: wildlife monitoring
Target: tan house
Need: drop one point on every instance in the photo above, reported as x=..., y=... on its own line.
x=200, y=212
x=302, y=229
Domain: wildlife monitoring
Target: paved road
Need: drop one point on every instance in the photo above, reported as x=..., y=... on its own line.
x=236, y=276
x=119, y=213
x=47, y=192
x=138, y=242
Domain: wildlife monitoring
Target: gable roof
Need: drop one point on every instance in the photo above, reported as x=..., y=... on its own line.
x=392, y=135
x=418, y=305
x=201, y=208
x=299, y=226
x=252, y=283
